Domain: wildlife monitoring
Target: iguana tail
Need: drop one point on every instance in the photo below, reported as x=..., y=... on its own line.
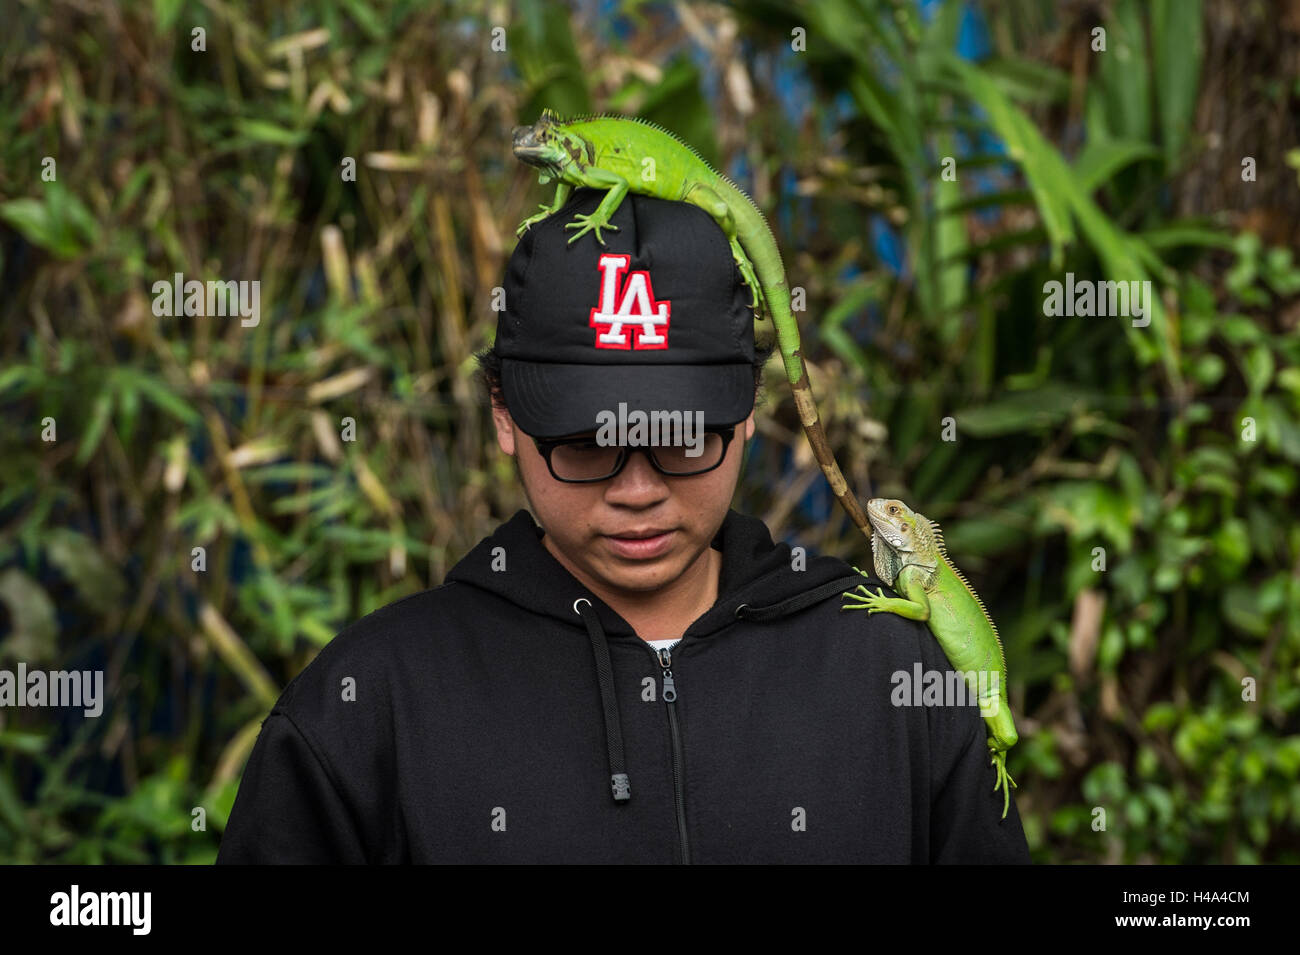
x=771, y=273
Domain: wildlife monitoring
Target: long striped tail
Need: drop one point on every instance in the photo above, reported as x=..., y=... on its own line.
x=812, y=426
x=765, y=256
x=787, y=335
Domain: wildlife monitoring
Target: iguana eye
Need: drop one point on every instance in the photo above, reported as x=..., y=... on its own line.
x=893, y=510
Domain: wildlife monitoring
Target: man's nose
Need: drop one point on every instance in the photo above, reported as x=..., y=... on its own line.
x=638, y=479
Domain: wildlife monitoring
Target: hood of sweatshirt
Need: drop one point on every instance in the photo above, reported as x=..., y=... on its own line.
x=757, y=582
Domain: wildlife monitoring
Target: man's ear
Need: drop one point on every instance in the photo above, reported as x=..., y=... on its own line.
x=505, y=426
x=749, y=426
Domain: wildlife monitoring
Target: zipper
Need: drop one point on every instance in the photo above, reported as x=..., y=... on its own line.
x=665, y=659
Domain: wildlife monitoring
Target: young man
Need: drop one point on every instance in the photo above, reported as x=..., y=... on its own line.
x=640, y=674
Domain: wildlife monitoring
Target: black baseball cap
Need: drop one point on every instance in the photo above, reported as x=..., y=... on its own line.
x=658, y=318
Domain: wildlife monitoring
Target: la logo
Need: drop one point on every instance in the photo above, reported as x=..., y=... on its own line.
x=634, y=305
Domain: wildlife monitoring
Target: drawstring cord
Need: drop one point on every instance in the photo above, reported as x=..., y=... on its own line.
x=799, y=601
x=618, y=781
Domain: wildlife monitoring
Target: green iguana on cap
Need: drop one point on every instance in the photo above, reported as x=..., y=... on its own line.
x=910, y=557
x=615, y=153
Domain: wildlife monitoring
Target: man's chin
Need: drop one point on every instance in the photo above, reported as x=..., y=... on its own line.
x=639, y=576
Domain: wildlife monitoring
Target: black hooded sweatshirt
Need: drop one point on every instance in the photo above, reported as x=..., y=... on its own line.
x=510, y=715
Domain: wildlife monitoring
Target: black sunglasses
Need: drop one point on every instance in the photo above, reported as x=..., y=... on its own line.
x=547, y=447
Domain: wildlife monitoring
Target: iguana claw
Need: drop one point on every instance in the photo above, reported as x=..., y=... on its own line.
x=999, y=760
x=589, y=223
x=523, y=226
x=871, y=603
x=758, y=301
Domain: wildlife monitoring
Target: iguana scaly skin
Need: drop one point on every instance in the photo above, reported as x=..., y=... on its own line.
x=618, y=154
x=910, y=556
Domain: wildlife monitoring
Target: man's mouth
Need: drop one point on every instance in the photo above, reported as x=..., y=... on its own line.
x=644, y=544
x=640, y=535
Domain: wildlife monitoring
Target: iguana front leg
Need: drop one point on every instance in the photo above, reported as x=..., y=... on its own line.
x=596, y=179
x=562, y=191
x=916, y=606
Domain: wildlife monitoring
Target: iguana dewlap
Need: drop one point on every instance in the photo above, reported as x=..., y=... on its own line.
x=910, y=556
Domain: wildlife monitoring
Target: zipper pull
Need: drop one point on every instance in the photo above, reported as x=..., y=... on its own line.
x=665, y=661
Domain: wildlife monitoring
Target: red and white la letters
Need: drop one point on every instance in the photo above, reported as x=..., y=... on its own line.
x=633, y=306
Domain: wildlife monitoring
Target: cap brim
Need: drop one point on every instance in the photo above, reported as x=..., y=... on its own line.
x=554, y=400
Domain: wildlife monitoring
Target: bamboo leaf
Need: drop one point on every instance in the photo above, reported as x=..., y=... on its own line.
x=33, y=627
x=1019, y=411
x=1120, y=96
x=1101, y=159
x=99, y=416
x=1025, y=146
x=1177, y=47
x=1175, y=235
x=262, y=131
x=164, y=398
x=949, y=244
x=98, y=581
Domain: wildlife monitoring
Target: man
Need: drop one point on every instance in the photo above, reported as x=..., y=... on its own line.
x=639, y=674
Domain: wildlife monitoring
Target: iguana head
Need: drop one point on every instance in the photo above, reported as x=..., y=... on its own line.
x=549, y=146
x=899, y=537
x=895, y=522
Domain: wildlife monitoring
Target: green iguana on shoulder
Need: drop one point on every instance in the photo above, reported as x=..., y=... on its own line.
x=614, y=153
x=910, y=557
